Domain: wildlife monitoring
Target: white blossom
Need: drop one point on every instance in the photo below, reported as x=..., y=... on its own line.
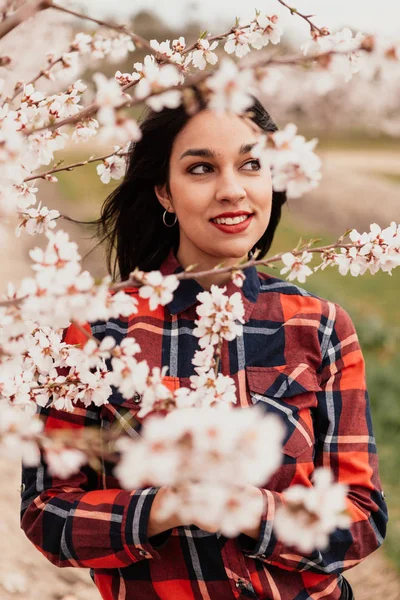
x=346, y=62
x=108, y=96
x=296, y=266
x=220, y=315
x=238, y=42
x=296, y=169
x=196, y=450
x=230, y=88
x=37, y=220
x=158, y=289
x=18, y=430
x=310, y=514
x=204, y=53
x=65, y=462
x=85, y=130
x=112, y=167
x=238, y=278
x=265, y=29
x=154, y=78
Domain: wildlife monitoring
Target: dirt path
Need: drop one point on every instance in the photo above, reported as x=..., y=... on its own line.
x=350, y=196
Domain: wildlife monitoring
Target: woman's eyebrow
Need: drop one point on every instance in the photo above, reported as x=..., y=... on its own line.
x=208, y=153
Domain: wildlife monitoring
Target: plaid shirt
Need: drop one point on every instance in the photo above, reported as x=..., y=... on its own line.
x=299, y=357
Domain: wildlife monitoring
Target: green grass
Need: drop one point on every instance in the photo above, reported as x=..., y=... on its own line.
x=392, y=177
x=82, y=186
x=353, y=140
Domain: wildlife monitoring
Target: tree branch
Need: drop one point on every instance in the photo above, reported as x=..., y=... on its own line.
x=193, y=81
x=132, y=282
x=22, y=14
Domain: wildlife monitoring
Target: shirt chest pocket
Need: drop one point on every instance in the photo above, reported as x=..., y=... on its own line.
x=288, y=391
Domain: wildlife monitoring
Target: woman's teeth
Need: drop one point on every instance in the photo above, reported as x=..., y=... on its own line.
x=230, y=220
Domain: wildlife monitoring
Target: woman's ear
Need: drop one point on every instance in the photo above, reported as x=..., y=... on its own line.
x=163, y=196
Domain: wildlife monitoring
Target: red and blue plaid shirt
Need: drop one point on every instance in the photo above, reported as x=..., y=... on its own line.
x=299, y=357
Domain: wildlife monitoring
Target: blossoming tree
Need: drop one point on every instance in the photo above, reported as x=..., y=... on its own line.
x=37, y=368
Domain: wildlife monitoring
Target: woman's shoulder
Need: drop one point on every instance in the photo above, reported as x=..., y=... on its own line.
x=78, y=333
x=295, y=299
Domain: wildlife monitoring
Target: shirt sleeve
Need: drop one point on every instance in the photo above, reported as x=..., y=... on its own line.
x=345, y=443
x=73, y=521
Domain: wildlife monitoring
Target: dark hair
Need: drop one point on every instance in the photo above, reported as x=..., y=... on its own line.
x=131, y=221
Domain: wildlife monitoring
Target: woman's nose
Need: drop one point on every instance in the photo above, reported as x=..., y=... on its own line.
x=229, y=188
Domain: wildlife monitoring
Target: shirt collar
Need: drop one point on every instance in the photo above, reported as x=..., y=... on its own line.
x=185, y=295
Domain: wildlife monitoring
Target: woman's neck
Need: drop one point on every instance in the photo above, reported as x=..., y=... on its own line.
x=206, y=263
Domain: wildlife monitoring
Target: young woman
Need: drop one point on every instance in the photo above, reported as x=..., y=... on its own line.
x=194, y=194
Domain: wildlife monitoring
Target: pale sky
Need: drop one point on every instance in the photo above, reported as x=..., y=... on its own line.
x=369, y=16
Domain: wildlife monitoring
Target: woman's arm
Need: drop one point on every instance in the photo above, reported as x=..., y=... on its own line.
x=346, y=445
x=74, y=522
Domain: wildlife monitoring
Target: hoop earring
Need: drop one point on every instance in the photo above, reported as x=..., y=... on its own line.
x=165, y=222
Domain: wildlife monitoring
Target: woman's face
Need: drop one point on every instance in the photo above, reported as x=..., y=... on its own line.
x=222, y=196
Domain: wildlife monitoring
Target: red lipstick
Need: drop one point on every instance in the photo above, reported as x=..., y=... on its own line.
x=236, y=228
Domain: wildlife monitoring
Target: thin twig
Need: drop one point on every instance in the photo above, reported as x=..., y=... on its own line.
x=313, y=27
x=73, y=166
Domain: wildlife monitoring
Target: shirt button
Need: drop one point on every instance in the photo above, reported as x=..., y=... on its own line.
x=136, y=398
x=143, y=553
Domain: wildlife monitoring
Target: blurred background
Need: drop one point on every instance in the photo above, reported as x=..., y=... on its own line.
x=358, y=127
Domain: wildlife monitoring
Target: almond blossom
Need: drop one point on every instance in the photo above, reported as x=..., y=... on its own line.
x=238, y=42
x=220, y=315
x=98, y=47
x=112, y=167
x=310, y=514
x=64, y=462
x=85, y=130
x=296, y=266
x=26, y=196
x=108, y=96
x=18, y=431
x=265, y=29
x=238, y=278
x=37, y=220
x=379, y=250
x=157, y=288
x=346, y=62
x=172, y=51
x=123, y=130
x=195, y=451
x=204, y=53
x=296, y=169
x=213, y=389
x=153, y=79
x=230, y=88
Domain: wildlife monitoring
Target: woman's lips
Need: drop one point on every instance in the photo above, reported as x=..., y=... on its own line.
x=238, y=228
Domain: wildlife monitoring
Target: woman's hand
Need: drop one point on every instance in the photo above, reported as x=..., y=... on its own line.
x=156, y=524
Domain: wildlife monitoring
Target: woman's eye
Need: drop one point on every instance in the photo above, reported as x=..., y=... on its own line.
x=254, y=165
x=195, y=170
